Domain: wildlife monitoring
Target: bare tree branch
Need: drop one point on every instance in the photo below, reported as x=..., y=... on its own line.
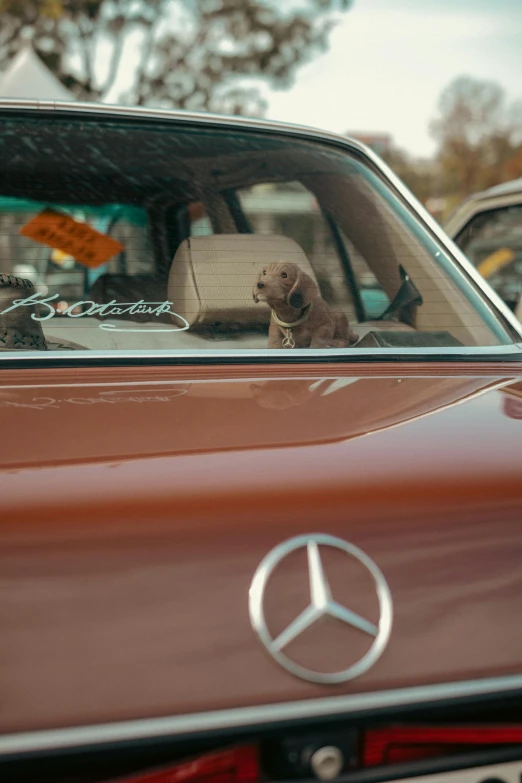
x=145, y=60
x=85, y=40
x=114, y=64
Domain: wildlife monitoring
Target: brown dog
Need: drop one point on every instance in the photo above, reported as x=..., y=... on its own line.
x=300, y=316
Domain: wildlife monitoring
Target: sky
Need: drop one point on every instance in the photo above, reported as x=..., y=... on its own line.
x=389, y=60
x=387, y=64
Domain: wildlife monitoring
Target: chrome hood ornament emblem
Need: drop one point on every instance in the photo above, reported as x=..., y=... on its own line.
x=322, y=604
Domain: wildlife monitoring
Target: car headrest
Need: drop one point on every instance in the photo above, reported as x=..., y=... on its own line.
x=212, y=277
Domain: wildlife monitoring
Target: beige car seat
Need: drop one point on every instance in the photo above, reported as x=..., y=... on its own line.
x=212, y=277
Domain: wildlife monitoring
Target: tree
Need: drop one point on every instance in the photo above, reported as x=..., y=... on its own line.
x=479, y=136
x=191, y=54
x=417, y=175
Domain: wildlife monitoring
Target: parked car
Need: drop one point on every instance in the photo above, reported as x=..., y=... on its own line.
x=488, y=229
x=250, y=531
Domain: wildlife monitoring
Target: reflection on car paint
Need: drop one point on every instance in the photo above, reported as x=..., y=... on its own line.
x=110, y=397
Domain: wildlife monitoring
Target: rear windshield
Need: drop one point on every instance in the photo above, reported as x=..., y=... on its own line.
x=171, y=237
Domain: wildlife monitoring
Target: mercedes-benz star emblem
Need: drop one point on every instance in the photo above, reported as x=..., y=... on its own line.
x=322, y=603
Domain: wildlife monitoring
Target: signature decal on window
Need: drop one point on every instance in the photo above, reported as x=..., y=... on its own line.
x=111, y=308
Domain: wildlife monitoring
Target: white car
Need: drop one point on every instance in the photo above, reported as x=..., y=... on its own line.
x=488, y=229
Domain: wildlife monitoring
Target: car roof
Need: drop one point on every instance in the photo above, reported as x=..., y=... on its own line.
x=115, y=111
x=481, y=201
x=504, y=189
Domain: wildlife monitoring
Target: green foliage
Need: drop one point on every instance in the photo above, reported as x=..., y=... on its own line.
x=192, y=54
x=418, y=175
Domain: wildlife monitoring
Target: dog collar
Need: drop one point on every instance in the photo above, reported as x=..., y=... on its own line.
x=305, y=312
x=288, y=341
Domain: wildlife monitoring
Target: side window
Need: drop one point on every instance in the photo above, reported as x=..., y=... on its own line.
x=19, y=255
x=200, y=224
x=492, y=241
x=130, y=227
x=53, y=270
x=373, y=296
x=290, y=210
x=62, y=282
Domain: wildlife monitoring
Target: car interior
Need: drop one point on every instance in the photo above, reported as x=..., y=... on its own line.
x=198, y=213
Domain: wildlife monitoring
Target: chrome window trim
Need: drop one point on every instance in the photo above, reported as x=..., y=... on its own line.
x=494, y=353
x=251, y=717
x=301, y=131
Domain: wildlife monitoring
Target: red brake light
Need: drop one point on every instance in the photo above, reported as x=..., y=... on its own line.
x=238, y=765
x=396, y=744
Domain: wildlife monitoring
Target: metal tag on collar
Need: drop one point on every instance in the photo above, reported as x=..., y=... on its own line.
x=288, y=341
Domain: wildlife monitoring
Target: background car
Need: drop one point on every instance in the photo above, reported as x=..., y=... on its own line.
x=488, y=228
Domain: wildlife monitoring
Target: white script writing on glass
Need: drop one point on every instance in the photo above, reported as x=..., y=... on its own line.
x=104, y=310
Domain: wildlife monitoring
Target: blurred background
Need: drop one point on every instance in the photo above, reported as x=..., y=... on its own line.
x=432, y=85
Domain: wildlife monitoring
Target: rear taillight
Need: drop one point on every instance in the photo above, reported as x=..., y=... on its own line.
x=237, y=765
x=298, y=757
x=398, y=744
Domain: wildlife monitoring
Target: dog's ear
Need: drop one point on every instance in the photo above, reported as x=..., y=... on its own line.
x=303, y=291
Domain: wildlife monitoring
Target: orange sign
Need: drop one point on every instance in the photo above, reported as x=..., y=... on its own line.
x=61, y=232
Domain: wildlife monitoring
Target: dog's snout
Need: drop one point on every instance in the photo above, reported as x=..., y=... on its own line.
x=260, y=284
